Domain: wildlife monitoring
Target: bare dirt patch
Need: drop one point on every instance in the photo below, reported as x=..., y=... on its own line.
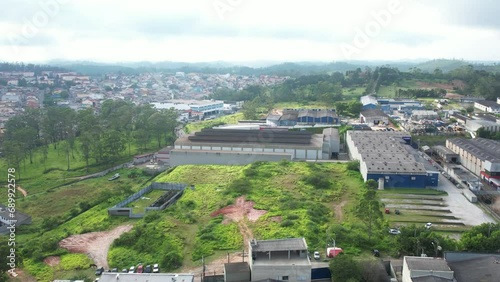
x=240, y=210
x=94, y=244
x=276, y=218
x=20, y=189
x=52, y=260
x=339, y=214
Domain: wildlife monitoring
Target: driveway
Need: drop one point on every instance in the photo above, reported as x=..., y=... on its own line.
x=469, y=213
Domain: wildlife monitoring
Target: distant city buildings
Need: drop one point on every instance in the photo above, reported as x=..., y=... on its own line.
x=21, y=90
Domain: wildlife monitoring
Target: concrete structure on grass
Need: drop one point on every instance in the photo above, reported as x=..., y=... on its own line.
x=240, y=146
x=6, y=220
x=387, y=157
x=282, y=259
x=173, y=191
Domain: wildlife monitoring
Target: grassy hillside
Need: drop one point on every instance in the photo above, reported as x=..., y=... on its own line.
x=294, y=199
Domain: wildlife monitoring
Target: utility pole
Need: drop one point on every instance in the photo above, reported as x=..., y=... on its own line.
x=203, y=269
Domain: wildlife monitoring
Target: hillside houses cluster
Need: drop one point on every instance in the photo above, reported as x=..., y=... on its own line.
x=20, y=90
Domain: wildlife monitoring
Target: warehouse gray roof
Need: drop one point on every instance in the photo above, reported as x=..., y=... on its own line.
x=443, y=150
x=252, y=138
x=368, y=99
x=373, y=113
x=488, y=103
x=292, y=244
x=386, y=152
x=483, y=149
x=426, y=263
x=486, y=268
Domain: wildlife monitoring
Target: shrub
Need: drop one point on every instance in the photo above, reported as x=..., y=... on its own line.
x=317, y=180
x=286, y=223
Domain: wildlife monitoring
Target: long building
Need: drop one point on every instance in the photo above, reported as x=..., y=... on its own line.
x=244, y=146
x=387, y=158
x=480, y=156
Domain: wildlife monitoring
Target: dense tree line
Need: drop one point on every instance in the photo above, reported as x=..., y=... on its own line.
x=100, y=138
x=20, y=66
x=420, y=93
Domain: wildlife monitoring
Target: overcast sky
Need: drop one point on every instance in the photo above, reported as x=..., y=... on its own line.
x=248, y=30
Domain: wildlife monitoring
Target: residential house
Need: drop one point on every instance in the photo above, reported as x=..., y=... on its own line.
x=423, y=269
x=282, y=259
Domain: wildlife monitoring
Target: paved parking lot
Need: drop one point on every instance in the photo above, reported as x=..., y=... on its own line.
x=469, y=213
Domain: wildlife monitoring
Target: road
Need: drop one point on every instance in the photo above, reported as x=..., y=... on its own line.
x=469, y=213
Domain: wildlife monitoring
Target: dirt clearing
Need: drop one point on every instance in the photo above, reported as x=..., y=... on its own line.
x=52, y=260
x=94, y=244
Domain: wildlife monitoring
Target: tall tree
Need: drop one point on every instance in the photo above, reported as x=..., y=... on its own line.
x=368, y=210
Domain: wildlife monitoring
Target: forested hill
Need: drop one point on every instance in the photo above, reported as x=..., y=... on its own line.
x=293, y=69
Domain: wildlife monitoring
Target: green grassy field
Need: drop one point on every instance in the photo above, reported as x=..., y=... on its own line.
x=140, y=205
x=229, y=119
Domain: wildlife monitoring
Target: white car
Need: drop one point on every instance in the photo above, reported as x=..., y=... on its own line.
x=156, y=268
x=131, y=269
x=316, y=255
x=394, y=231
x=428, y=225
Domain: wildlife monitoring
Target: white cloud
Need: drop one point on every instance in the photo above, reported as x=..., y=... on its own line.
x=194, y=30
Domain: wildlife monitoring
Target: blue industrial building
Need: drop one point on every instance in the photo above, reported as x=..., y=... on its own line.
x=388, y=158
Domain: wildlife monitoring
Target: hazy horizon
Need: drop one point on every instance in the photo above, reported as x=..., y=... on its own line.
x=246, y=31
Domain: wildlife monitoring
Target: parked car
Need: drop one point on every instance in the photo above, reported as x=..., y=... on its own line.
x=114, y=269
x=99, y=271
x=387, y=211
x=376, y=253
x=148, y=269
x=124, y=270
x=428, y=225
x=394, y=231
x=397, y=212
x=131, y=269
x=140, y=268
x=156, y=268
x=316, y=255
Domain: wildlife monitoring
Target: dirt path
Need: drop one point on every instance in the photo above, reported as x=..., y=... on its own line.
x=20, y=189
x=241, y=212
x=94, y=244
x=339, y=214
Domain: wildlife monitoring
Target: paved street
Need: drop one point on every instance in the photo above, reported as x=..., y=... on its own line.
x=469, y=213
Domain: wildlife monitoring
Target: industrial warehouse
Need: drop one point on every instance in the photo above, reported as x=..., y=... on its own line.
x=245, y=146
x=480, y=156
x=388, y=158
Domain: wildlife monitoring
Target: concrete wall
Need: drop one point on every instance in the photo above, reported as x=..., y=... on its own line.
x=295, y=273
x=296, y=153
x=233, y=158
